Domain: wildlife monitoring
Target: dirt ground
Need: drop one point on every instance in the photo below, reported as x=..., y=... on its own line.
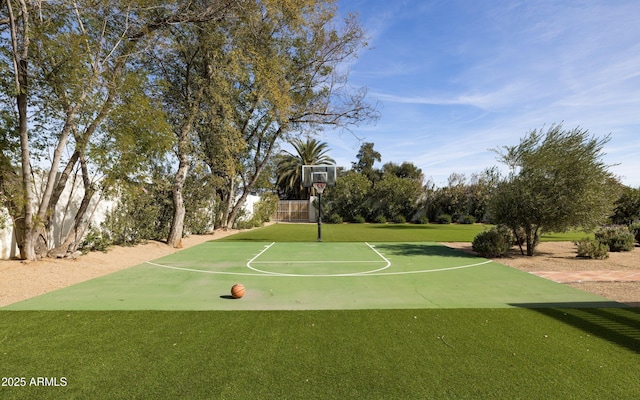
x=22, y=280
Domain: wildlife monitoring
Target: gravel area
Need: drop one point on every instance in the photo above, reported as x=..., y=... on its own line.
x=21, y=280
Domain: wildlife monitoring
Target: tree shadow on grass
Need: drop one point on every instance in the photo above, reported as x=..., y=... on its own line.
x=421, y=249
x=613, y=322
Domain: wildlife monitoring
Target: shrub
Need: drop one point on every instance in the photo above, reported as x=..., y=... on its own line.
x=95, y=240
x=359, y=219
x=245, y=224
x=400, y=219
x=495, y=242
x=265, y=208
x=334, y=218
x=380, y=219
x=423, y=220
x=617, y=237
x=591, y=248
x=467, y=219
x=443, y=219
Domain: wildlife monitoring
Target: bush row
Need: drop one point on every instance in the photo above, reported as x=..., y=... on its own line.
x=497, y=241
x=615, y=238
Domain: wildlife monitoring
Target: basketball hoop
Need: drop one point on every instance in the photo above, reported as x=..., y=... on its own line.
x=319, y=186
x=319, y=177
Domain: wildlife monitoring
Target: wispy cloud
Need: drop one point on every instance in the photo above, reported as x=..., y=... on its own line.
x=457, y=78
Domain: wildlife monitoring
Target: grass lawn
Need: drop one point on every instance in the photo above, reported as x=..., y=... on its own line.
x=468, y=353
x=374, y=354
x=381, y=233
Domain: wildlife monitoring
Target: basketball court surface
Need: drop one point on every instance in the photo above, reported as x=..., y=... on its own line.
x=315, y=276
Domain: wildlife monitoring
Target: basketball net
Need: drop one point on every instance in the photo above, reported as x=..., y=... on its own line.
x=319, y=186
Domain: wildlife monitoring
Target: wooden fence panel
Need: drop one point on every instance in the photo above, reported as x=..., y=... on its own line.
x=292, y=211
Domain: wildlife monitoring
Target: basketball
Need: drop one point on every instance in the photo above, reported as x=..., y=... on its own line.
x=237, y=290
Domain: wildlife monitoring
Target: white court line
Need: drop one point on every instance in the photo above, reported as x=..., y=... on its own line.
x=423, y=271
x=375, y=272
x=253, y=261
x=202, y=271
x=381, y=256
x=315, y=262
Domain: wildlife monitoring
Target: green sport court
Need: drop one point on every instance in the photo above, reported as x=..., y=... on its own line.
x=315, y=276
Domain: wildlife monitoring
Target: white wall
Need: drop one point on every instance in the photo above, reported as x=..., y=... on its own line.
x=65, y=213
x=8, y=248
x=63, y=218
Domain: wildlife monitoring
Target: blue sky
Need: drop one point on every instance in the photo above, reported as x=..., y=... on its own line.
x=456, y=78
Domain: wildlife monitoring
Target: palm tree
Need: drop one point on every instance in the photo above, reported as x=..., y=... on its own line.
x=289, y=167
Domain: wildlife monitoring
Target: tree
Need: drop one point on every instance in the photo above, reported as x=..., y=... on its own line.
x=406, y=170
x=20, y=35
x=627, y=208
x=286, y=79
x=395, y=198
x=350, y=198
x=289, y=167
x=185, y=68
x=367, y=156
x=70, y=62
x=557, y=182
x=396, y=194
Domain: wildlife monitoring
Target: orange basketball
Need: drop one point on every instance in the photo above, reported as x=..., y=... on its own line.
x=237, y=290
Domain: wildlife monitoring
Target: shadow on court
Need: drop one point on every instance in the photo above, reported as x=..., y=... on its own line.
x=619, y=325
x=421, y=249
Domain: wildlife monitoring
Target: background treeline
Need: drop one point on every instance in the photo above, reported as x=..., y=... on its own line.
x=171, y=109
x=398, y=193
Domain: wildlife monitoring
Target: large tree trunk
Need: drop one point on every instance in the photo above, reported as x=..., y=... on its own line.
x=25, y=226
x=228, y=216
x=184, y=147
x=177, y=222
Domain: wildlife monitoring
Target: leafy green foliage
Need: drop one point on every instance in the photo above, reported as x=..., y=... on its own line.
x=96, y=240
x=289, y=167
x=443, y=219
x=395, y=197
x=351, y=196
x=334, y=218
x=592, y=248
x=467, y=219
x=617, y=238
x=141, y=213
x=461, y=196
x=367, y=157
x=380, y=219
x=627, y=207
x=495, y=242
x=558, y=182
x=263, y=210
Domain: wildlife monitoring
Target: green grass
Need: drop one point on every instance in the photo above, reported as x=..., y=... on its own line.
x=375, y=354
x=380, y=233
x=544, y=353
